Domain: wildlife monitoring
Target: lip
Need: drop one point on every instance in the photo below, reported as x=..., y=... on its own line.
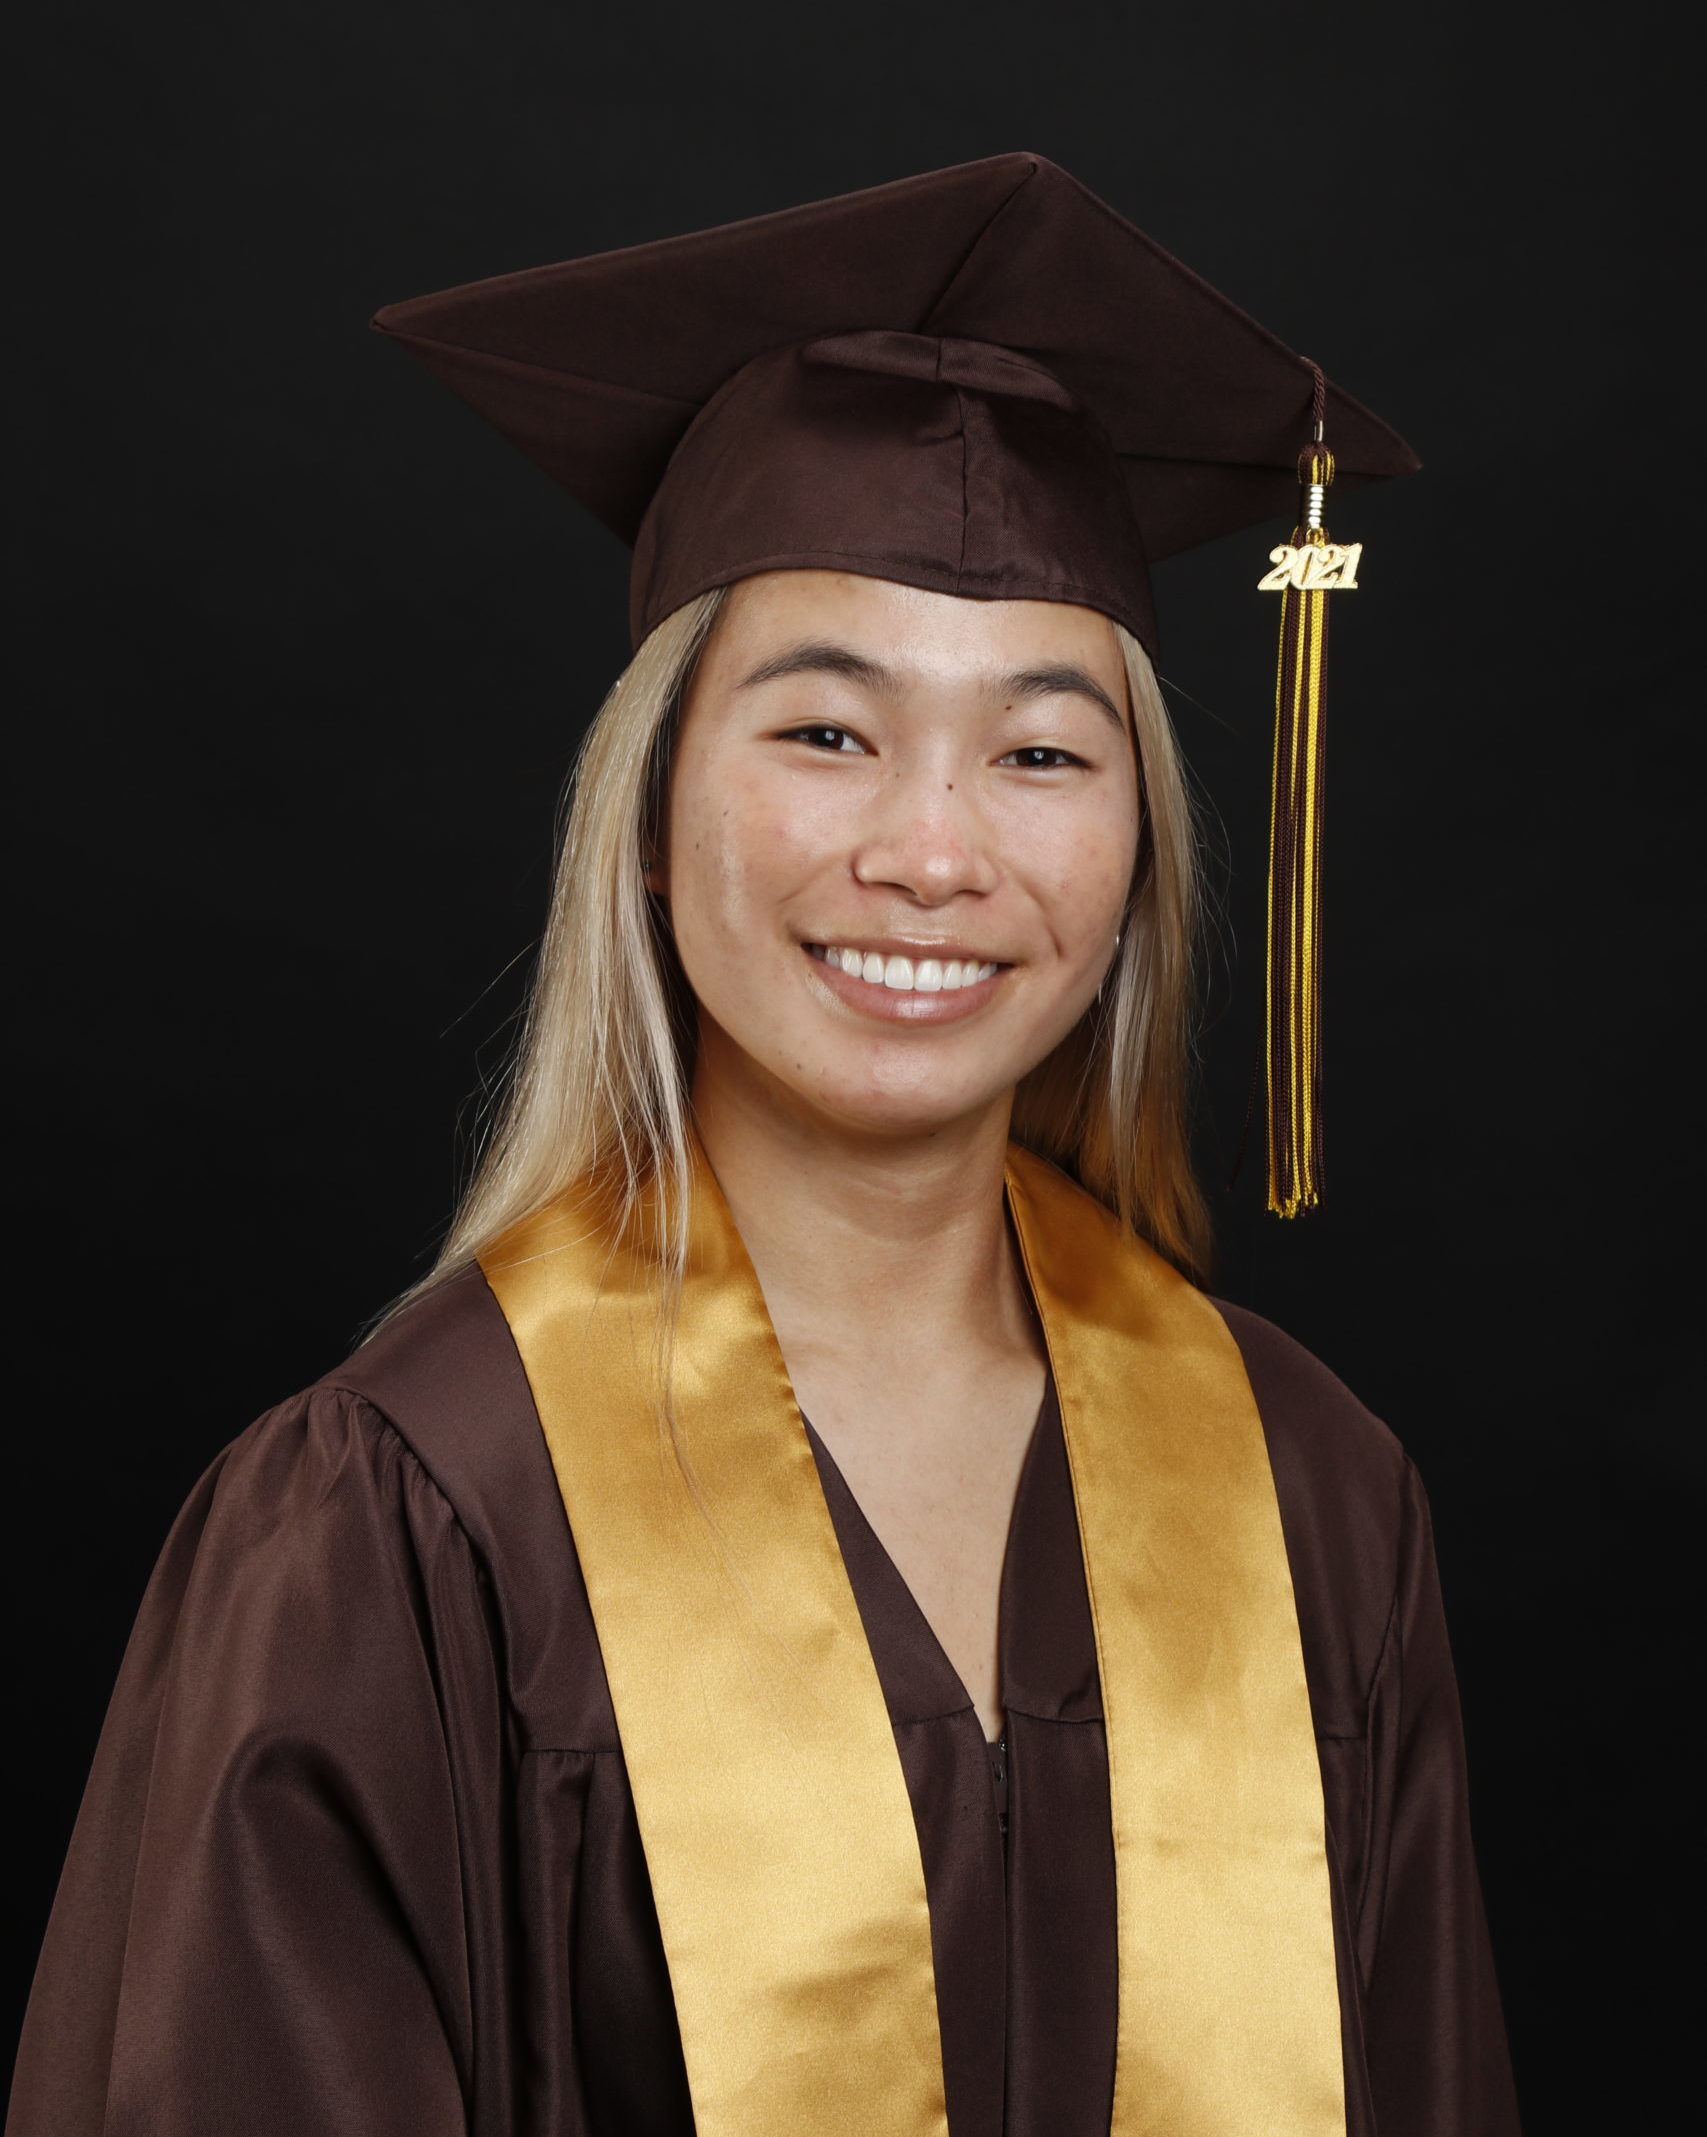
x=893, y=1005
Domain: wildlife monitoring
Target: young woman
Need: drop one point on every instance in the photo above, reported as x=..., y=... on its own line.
x=811, y=1619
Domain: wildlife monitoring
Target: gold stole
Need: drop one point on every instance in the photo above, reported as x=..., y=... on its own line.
x=778, y=1832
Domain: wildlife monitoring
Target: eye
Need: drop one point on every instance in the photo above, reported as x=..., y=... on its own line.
x=825, y=737
x=1041, y=757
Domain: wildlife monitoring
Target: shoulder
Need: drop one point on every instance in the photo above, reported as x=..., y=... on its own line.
x=409, y=1426
x=1314, y=1423
x=1345, y=1489
x=408, y=1493
x=409, y=1487
x=446, y=1378
x=308, y=1582
x=321, y=1464
x=443, y=1380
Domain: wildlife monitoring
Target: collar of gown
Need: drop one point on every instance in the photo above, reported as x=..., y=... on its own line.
x=1048, y=1643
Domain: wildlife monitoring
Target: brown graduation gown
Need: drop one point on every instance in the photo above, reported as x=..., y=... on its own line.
x=358, y=1855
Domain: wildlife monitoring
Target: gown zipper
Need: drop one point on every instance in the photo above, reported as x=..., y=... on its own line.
x=999, y=1780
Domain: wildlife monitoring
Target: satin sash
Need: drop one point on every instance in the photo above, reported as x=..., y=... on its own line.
x=778, y=1831
x=1229, y=2014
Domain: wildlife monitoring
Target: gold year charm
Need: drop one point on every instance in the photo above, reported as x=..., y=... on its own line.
x=1313, y=568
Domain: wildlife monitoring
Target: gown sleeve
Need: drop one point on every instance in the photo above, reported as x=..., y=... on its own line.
x=266, y=1914
x=1433, y=2032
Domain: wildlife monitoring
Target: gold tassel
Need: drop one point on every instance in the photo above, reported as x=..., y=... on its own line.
x=1304, y=574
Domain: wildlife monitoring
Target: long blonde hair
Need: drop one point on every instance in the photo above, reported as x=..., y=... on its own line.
x=599, y=1085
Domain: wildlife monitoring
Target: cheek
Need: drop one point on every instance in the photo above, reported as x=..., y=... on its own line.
x=1081, y=880
x=740, y=847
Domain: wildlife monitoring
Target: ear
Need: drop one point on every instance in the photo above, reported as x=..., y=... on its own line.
x=655, y=876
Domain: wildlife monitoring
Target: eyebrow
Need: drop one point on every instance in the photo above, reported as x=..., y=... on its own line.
x=820, y=657
x=1061, y=679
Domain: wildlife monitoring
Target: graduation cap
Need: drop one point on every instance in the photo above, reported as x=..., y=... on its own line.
x=981, y=381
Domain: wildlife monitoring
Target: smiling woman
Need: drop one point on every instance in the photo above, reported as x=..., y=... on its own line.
x=967, y=805
x=810, y=1619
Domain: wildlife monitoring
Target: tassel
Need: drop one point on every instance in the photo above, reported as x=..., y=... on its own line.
x=1304, y=574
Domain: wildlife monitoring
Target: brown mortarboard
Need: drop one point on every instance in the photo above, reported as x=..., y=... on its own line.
x=981, y=381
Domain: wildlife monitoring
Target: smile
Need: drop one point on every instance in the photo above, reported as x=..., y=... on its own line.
x=904, y=975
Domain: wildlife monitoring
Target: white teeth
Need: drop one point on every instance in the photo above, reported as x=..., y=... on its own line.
x=928, y=976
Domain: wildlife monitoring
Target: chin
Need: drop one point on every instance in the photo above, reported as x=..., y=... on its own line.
x=906, y=1123
x=904, y=1108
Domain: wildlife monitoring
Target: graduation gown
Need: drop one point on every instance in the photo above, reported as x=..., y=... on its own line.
x=358, y=1853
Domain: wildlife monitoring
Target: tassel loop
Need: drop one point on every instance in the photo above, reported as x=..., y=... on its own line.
x=1315, y=473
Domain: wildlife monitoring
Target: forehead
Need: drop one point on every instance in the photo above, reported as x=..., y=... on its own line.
x=921, y=635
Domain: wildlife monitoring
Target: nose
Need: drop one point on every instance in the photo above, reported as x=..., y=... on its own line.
x=924, y=835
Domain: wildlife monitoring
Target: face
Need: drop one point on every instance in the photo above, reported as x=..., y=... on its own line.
x=900, y=835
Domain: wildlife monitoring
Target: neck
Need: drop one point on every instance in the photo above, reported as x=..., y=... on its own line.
x=863, y=1241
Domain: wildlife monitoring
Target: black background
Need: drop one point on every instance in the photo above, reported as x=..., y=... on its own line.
x=307, y=650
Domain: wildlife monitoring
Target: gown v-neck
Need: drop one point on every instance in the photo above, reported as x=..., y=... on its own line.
x=1023, y=1922
x=882, y=1557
